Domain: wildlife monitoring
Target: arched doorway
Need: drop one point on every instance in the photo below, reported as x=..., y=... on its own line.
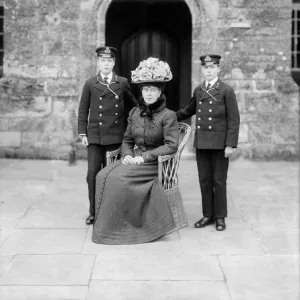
x=162, y=29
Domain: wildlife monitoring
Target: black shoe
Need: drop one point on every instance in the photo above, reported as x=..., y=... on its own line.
x=90, y=220
x=220, y=224
x=204, y=222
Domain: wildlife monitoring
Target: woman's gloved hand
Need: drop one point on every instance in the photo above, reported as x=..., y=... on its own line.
x=127, y=159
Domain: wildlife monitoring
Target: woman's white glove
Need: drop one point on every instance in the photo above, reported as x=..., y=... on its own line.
x=127, y=159
x=137, y=160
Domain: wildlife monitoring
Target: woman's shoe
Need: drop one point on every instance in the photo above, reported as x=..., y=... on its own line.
x=90, y=220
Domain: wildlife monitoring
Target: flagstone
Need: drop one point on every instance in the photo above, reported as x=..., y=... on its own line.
x=44, y=241
x=49, y=270
x=158, y=290
x=157, y=266
x=43, y=292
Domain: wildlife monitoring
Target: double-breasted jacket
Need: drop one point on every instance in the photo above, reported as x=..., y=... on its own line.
x=102, y=109
x=217, y=116
x=151, y=137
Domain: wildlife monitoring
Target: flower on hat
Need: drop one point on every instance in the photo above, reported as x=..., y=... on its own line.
x=151, y=69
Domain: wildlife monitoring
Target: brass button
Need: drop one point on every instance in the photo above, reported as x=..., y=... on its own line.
x=100, y=98
x=209, y=127
x=117, y=105
x=210, y=102
x=100, y=106
x=116, y=114
x=116, y=122
x=199, y=118
x=209, y=119
x=198, y=127
x=210, y=110
x=100, y=123
x=200, y=102
x=199, y=110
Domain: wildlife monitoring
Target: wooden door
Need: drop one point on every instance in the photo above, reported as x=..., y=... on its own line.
x=152, y=43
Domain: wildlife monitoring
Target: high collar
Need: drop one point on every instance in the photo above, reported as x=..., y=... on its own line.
x=109, y=76
x=212, y=82
x=153, y=108
x=215, y=86
x=112, y=79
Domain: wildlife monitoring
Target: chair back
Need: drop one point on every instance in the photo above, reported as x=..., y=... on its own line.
x=168, y=164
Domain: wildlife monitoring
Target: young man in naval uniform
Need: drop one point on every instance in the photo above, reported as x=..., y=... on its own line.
x=216, y=136
x=101, y=116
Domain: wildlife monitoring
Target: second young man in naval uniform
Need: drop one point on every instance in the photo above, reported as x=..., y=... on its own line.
x=216, y=135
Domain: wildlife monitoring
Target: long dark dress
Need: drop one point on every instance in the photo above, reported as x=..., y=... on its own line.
x=131, y=206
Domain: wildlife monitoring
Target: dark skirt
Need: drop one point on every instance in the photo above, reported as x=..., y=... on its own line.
x=131, y=206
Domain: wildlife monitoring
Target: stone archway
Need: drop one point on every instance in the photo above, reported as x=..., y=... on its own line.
x=204, y=15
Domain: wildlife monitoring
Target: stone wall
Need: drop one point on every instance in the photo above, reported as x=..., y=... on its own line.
x=40, y=87
x=49, y=52
x=257, y=64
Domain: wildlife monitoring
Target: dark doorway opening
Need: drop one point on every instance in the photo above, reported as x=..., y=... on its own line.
x=161, y=29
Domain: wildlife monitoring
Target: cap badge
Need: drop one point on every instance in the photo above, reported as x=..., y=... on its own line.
x=107, y=50
x=207, y=58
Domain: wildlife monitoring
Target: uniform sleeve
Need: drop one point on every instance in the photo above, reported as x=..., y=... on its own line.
x=128, y=140
x=233, y=118
x=171, y=139
x=129, y=96
x=83, y=110
x=188, y=111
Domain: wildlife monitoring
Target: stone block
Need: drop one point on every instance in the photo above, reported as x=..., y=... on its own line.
x=286, y=85
x=26, y=124
x=10, y=138
x=64, y=106
x=45, y=152
x=46, y=71
x=67, y=87
x=237, y=73
x=261, y=133
x=4, y=124
x=263, y=103
x=246, y=85
x=286, y=133
x=33, y=139
x=264, y=84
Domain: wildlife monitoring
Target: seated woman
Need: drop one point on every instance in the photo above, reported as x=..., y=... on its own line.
x=131, y=206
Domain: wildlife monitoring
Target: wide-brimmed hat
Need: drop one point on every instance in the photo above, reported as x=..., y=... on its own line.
x=151, y=70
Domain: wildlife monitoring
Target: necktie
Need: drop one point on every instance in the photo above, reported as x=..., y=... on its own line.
x=105, y=80
x=208, y=86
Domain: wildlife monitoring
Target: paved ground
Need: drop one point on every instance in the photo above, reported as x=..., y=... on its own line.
x=46, y=250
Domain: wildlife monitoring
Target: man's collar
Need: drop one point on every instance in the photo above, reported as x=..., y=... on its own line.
x=212, y=82
x=109, y=76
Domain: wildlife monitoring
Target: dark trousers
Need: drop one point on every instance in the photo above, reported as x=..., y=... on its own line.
x=212, y=170
x=96, y=161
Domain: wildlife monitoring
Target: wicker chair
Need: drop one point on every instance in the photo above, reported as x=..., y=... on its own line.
x=168, y=176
